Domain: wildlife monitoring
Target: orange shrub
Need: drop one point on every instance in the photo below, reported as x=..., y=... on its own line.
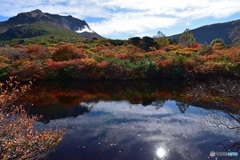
x=19, y=46
x=18, y=137
x=67, y=52
x=37, y=52
x=164, y=63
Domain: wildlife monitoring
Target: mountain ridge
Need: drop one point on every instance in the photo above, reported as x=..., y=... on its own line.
x=18, y=26
x=33, y=24
x=227, y=31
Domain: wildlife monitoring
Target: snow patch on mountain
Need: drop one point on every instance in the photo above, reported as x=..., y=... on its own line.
x=85, y=28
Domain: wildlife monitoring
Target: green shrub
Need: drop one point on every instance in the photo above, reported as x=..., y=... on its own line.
x=4, y=72
x=178, y=58
x=117, y=42
x=205, y=50
x=136, y=41
x=218, y=44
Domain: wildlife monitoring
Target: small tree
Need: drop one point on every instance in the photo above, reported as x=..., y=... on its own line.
x=187, y=38
x=161, y=39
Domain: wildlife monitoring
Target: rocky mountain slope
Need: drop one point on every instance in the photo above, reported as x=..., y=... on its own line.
x=37, y=23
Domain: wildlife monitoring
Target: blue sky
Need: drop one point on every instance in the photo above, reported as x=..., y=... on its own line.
x=120, y=19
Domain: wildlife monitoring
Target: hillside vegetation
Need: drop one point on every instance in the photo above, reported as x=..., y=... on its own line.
x=136, y=58
x=40, y=33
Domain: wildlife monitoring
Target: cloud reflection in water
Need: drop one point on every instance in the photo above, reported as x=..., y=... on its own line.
x=121, y=130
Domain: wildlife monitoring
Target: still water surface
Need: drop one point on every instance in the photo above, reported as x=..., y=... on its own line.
x=131, y=121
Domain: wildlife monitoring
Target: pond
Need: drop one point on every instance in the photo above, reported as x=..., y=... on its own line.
x=142, y=120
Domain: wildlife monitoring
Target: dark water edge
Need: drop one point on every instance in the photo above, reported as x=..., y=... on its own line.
x=132, y=120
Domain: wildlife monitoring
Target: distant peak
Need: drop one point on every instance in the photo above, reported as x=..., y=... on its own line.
x=33, y=13
x=37, y=18
x=36, y=11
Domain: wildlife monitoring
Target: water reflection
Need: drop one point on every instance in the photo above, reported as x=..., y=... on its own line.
x=161, y=152
x=139, y=120
x=71, y=98
x=117, y=131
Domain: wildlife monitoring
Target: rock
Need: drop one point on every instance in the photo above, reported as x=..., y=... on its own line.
x=21, y=41
x=2, y=45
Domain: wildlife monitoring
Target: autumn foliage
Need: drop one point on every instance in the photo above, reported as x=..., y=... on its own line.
x=19, y=138
x=108, y=59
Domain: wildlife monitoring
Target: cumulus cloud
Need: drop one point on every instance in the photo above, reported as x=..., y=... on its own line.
x=132, y=23
x=135, y=17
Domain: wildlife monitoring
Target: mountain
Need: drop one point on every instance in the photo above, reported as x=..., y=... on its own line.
x=37, y=23
x=228, y=31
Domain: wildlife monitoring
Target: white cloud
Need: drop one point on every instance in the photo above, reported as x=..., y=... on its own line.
x=133, y=23
x=135, y=17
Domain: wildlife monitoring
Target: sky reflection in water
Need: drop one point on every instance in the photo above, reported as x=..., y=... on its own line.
x=121, y=130
x=142, y=120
